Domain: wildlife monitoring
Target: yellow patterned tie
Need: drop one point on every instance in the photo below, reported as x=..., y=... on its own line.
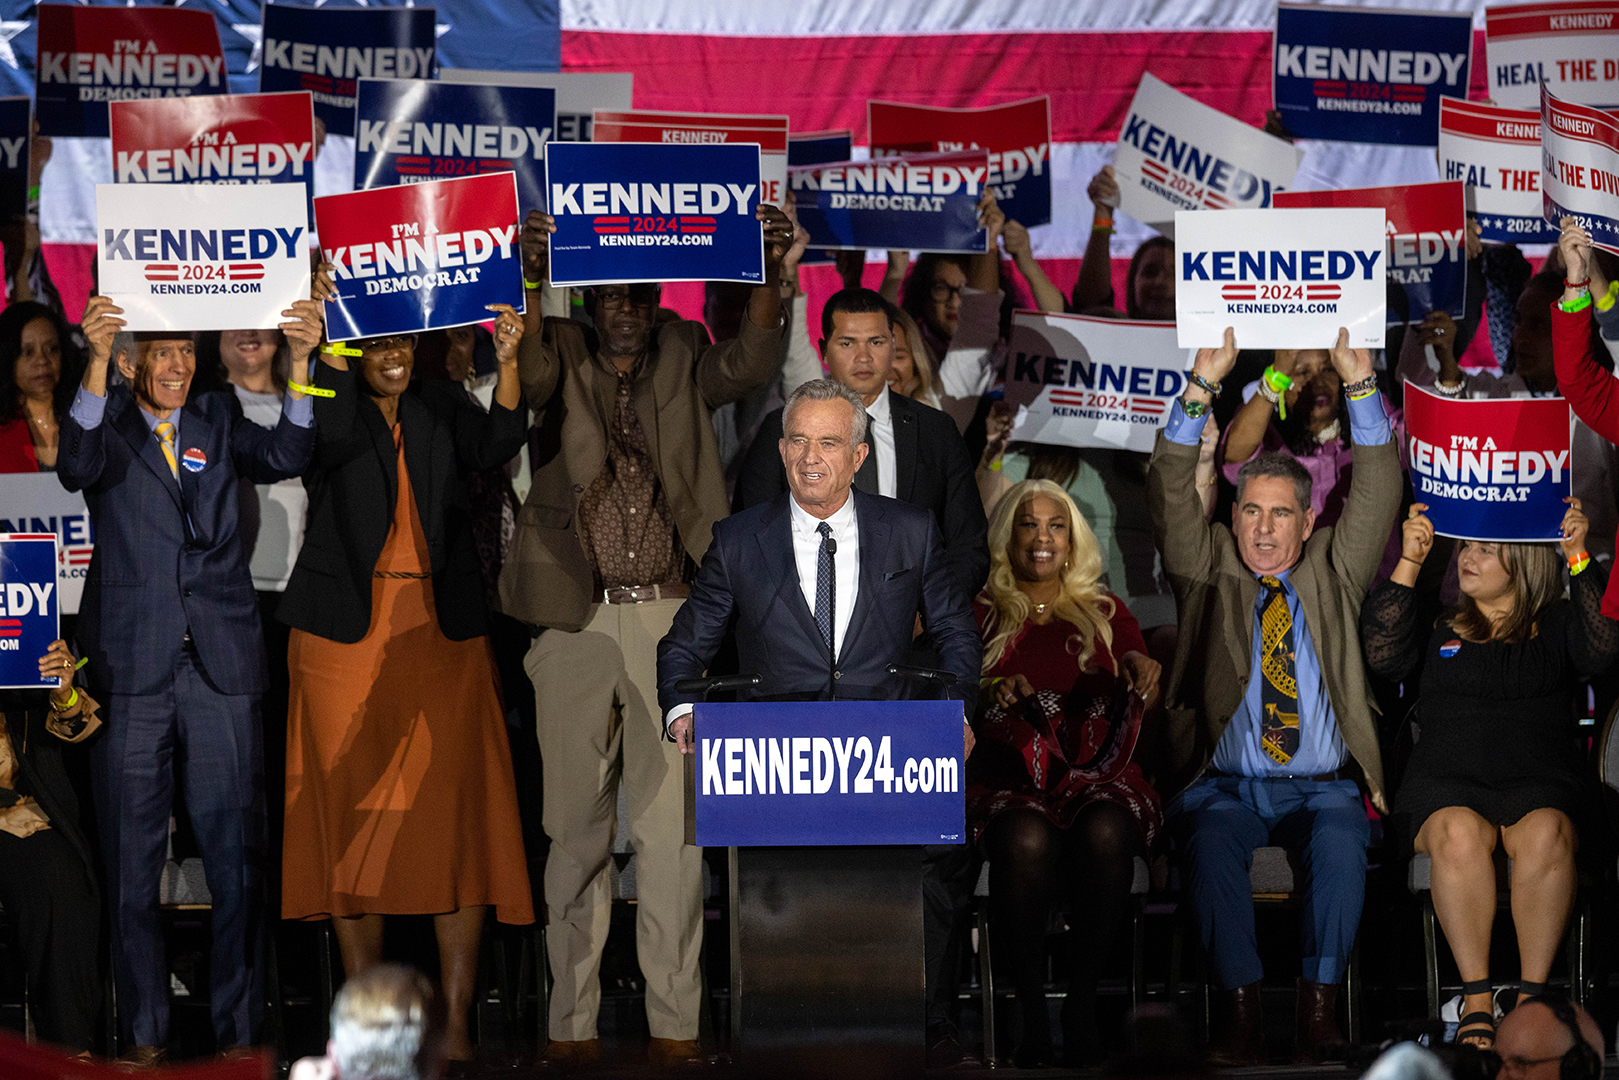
x=1279, y=695
x=165, y=439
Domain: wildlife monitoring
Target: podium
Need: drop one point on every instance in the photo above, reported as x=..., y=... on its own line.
x=824, y=807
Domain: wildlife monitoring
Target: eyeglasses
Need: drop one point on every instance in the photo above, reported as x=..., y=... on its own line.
x=943, y=292
x=387, y=344
x=644, y=296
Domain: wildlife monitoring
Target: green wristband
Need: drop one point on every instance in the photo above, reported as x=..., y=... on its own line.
x=1579, y=303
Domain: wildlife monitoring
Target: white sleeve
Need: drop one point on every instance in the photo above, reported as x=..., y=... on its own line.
x=675, y=714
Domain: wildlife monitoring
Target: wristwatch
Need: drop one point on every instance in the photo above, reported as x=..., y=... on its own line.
x=1194, y=409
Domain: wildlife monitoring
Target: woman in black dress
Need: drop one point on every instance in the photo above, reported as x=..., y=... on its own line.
x=1497, y=757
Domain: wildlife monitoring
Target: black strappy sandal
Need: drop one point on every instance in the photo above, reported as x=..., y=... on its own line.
x=1475, y=1027
x=1525, y=990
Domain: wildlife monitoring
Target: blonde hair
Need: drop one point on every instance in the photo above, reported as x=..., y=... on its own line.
x=387, y=1024
x=1535, y=576
x=921, y=355
x=1084, y=602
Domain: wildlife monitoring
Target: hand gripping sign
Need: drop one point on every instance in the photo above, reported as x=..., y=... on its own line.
x=1427, y=241
x=89, y=56
x=29, y=620
x=1570, y=47
x=1283, y=279
x=1368, y=76
x=1092, y=382
x=1580, y=168
x=1017, y=136
x=654, y=212
x=926, y=202
x=703, y=129
x=327, y=50
x=410, y=130
x=1175, y=153
x=420, y=256
x=228, y=139
x=187, y=257
x=1494, y=470
x=1496, y=153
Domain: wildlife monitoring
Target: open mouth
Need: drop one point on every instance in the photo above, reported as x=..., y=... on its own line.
x=174, y=386
x=396, y=372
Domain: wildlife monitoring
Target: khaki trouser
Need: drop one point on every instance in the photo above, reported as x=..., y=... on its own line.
x=599, y=725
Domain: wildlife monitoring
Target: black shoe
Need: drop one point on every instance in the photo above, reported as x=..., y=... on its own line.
x=945, y=1052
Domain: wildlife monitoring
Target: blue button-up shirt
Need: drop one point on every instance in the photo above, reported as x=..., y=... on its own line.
x=1321, y=746
x=89, y=409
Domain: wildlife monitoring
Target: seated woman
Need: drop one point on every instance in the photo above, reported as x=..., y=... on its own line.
x=1053, y=796
x=1497, y=760
x=39, y=373
x=47, y=875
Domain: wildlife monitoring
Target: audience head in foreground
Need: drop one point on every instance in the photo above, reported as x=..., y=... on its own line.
x=387, y=1024
x=1548, y=1038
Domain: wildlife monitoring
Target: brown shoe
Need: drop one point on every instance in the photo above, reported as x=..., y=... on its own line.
x=241, y=1053
x=668, y=1055
x=141, y=1058
x=1237, y=1039
x=1318, y=1039
x=579, y=1054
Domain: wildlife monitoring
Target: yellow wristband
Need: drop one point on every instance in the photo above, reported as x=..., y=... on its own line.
x=312, y=391
x=340, y=350
x=533, y=286
x=995, y=466
x=1578, y=563
x=1605, y=302
x=69, y=703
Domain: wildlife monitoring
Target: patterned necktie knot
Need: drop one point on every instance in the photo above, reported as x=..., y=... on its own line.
x=825, y=530
x=1270, y=582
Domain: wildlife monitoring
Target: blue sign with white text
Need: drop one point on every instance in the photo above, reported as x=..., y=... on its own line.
x=16, y=125
x=921, y=202
x=28, y=608
x=818, y=148
x=407, y=131
x=654, y=212
x=327, y=51
x=820, y=773
x=1368, y=76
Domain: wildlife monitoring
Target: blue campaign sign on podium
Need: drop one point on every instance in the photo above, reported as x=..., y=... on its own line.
x=28, y=611
x=821, y=773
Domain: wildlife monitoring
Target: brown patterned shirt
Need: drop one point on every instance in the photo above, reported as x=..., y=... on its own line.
x=625, y=522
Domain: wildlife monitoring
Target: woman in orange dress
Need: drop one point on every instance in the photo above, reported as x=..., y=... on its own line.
x=400, y=794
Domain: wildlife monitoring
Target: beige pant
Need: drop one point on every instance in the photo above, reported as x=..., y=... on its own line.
x=599, y=724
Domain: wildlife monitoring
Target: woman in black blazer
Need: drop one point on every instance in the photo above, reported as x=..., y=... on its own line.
x=400, y=795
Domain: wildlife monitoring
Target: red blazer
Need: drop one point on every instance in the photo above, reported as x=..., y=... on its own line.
x=1592, y=392
x=17, y=448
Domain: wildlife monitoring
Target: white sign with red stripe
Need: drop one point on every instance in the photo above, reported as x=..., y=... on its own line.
x=189, y=257
x=1079, y=381
x=37, y=503
x=1175, y=153
x=646, y=125
x=1571, y=47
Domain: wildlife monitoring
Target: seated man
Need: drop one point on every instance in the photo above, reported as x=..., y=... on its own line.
x=1267, y=706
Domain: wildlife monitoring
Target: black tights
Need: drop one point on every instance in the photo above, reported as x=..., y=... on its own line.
x=1030, y=861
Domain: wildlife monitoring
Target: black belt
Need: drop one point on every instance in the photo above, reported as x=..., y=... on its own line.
x=1342, y=773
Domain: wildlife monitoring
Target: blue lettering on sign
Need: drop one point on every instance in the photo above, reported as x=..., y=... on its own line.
x=198, y=244
x=1314, y=265
x=1184, y=157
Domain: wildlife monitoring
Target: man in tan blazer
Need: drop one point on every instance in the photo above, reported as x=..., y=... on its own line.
x=627, y=488
x=1268, y=712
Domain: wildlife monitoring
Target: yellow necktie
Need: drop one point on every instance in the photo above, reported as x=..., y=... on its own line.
x=165, y=439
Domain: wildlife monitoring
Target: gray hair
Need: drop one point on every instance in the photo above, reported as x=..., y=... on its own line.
x=1280, y=464
x=387, y=1024
x=828, y=390
x=123, y=343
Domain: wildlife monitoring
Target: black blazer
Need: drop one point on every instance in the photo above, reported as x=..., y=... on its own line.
x=353, y=483
x=935, y=473
x=749, y=572
x=41, y=771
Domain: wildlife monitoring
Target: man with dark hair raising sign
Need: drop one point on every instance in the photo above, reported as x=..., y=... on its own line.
x=170, y=625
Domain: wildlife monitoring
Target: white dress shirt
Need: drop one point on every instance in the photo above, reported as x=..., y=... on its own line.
x=880, y=434
x=807, y=558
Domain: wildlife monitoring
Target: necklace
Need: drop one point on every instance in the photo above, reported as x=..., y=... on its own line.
x=1040, y=609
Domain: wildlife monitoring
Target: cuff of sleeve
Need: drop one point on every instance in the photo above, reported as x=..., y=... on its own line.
x=1368, y=422
x=1183, y=429
x=300, y=411
x=675, y=714
x=88, y=409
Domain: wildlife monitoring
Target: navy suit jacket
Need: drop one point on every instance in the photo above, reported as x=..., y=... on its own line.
x=169, y=557
x=749, y=572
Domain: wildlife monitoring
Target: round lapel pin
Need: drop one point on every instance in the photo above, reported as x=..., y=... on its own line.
x=194, y=459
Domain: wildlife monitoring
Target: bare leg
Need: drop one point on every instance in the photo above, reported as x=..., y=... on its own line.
x=1542, y=845
x=359, y=939
x=459, y=935
x=1461, y=844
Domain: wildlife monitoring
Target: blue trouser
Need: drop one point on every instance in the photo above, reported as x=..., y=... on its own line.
x=1218, y=822
x=217, y=740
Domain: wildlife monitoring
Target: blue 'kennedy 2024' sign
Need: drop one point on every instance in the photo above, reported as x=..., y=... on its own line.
x=28, y=607
x=819, y=773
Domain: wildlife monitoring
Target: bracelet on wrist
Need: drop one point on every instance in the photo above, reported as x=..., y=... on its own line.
x=340, y=350
x=1363, y=388
x=1579, y=303
x=62, y=707
x=1606, y=301
x=1567, y=284
x=312, y=391
x=1101, y=224
x=1272, y=385
x=533, y=286
x=1579, y=562
x=1211, y=387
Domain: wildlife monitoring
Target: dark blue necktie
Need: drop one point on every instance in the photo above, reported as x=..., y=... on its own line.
x=824, y=587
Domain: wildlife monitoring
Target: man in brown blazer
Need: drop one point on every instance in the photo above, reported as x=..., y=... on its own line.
x=627, y=488
x=1268, y=712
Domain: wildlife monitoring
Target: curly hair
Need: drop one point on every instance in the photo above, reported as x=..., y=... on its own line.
x=1084, y=600
x=12, y=322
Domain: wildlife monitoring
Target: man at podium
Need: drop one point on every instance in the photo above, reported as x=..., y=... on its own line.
x=825, y=582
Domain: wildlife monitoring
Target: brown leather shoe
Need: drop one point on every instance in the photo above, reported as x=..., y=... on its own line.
x=141, y=1058
x=1237, y=1039
x=579, y=1054
x=668, y=1055
x=1318, y=1039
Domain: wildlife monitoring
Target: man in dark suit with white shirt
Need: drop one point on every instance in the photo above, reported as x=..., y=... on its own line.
x=823, y=571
